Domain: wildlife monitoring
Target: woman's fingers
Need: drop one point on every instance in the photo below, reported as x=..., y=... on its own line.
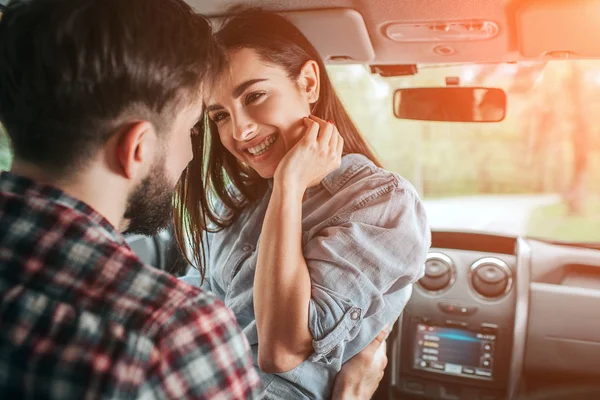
x=340, y=146
x=315, y=155
x=328, y=138
x=333, y=142
x=325, y=131
x=312, y=132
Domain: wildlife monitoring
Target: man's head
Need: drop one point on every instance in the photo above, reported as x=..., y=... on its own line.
x=106, y=89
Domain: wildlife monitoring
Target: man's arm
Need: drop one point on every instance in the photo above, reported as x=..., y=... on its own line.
x=360, y=376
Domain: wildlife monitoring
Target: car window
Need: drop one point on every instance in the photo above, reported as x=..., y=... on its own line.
x=537, y=173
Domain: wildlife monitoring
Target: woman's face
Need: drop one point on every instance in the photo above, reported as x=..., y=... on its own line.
x=258, y=109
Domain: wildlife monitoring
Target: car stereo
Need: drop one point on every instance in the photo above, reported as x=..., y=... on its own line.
x=454, y=351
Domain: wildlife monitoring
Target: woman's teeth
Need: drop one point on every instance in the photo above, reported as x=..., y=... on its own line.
x=263, y=147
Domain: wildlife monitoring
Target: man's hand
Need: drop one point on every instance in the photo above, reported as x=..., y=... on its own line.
x=360, y=376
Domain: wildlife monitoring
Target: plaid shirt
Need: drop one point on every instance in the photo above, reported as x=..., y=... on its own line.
x=82, y=317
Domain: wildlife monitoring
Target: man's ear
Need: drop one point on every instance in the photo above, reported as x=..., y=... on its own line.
x=309, y=80
x=135, y=149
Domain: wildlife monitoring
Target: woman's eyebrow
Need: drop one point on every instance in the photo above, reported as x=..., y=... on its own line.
x=237, y=92
x=214, y=107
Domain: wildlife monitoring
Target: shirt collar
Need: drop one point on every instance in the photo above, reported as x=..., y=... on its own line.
x=351, y=163
x=28, y=188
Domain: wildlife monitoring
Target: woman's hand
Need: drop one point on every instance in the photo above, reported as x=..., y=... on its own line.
x=318, y=153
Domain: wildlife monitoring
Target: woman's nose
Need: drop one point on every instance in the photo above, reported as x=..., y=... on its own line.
x=244, y=129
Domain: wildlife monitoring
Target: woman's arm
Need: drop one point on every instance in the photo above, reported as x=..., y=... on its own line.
x=282, y=285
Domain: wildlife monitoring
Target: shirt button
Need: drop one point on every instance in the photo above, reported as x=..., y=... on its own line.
x=354, y=315
x=247, y=247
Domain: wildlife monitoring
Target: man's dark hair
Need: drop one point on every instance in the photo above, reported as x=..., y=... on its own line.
x=72, y=72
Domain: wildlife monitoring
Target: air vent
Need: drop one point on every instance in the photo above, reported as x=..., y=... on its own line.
x=439, y=273
x=490, y=277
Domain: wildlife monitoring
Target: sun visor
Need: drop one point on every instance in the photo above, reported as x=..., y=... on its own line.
x=559, y=28
x=339, y=35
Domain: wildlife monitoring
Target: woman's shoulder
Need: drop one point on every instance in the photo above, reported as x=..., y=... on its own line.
x=358, y=174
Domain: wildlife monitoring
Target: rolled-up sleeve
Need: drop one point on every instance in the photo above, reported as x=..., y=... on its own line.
x=362, y=264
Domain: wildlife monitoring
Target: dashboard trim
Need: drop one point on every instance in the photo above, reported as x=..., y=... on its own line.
x=523, y=276
x=436, y=255
x=396, y=353
x=497, y=262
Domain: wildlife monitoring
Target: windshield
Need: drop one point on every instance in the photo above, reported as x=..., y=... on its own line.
x=537, y=173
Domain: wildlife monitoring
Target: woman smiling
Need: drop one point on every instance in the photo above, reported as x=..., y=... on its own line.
x=291, y=219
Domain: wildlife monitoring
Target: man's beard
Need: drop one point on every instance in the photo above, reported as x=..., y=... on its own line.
x=150, y=206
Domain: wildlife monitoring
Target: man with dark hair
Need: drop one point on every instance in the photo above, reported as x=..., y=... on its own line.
x=99, y=98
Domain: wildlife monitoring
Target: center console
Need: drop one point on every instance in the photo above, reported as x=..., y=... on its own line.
x=453, y=351
x=456, y=336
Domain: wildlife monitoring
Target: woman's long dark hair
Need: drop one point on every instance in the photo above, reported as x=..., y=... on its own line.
x=214, y=173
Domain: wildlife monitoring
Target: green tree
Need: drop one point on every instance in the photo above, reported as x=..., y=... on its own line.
x=557, y=131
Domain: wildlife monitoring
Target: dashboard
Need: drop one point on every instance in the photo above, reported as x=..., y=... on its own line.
x=492, y=318
x=492, y=311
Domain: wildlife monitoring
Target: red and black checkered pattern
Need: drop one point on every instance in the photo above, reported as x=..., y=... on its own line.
x=82, y=318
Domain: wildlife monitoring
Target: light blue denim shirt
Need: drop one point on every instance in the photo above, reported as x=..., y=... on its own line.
x=365, y=238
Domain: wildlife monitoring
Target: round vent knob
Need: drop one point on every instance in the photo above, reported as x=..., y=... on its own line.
x=491, y=277
x=439, y=272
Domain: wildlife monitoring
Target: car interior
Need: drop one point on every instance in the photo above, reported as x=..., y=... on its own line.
x=497, y=315
x=500, y=313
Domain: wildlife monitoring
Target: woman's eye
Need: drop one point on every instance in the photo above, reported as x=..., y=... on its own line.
x=219, y=116
x=252, y=97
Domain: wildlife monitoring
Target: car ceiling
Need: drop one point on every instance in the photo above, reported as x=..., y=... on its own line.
x=378, y=14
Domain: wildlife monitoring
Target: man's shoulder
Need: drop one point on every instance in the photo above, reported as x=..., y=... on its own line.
x=166, y=303
x=196, y=320
x=141, y=297
x=196, y=338
x=186, y=304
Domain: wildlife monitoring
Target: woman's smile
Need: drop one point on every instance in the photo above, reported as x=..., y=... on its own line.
x=263, y=147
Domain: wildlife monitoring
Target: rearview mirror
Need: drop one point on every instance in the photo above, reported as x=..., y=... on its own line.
x=456, y=104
